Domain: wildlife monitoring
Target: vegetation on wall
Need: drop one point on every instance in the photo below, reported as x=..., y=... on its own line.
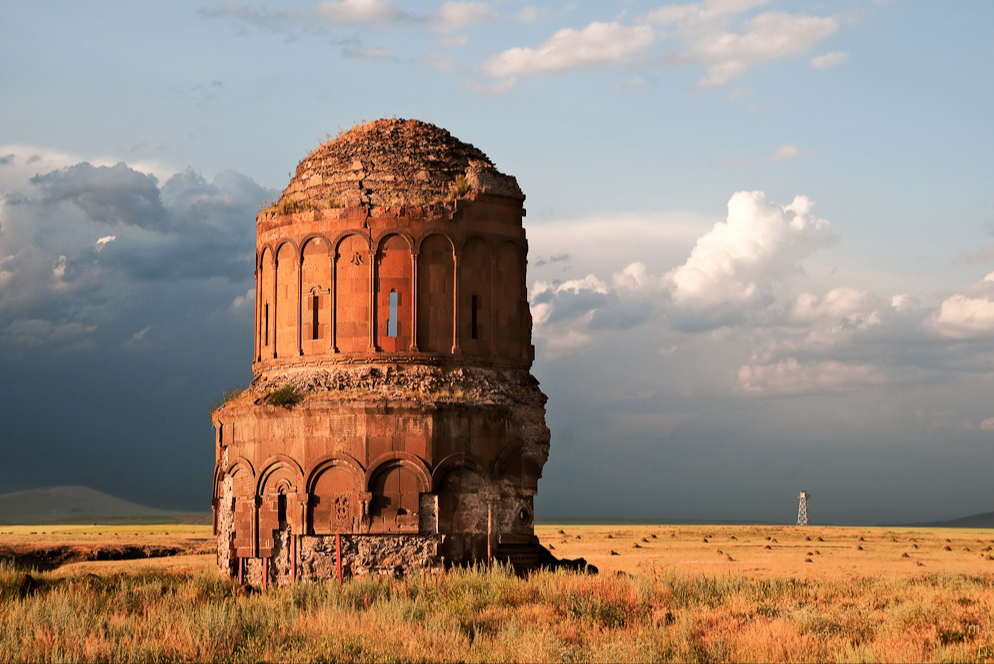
x=287, y=396
x=226, y=396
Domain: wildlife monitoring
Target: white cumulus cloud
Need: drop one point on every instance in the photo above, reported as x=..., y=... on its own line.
x=961, y=316
x=968, y=314
x=760, y=242
x=793, y=377
x=359, y=11
x=698, y=13
x=596, y=44
x=528, y=14
x=248, y=298
x=102, y=242
x=829, y=60
x=455, y=15
x=711, y=38
x=789, y=151
x=839, y=303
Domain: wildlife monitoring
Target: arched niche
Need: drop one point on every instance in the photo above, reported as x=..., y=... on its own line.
x=243, y=491
x=315, y=296
x=436, y=276
x=352, y=276
x=475, y=295
x=520, y=471
x=510, y=301
x=396, y=489
x=334, y=498
x=463, y=514
x=462, y=506
x=265, y=317
x=286, y=297
x=394, y=294
x=277, y=489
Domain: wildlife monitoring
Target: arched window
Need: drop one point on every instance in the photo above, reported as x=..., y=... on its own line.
x=315, y=308
x=475, y=308
x=392, y=320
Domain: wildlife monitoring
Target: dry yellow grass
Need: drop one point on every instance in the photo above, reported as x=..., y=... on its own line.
x=676, y=599
x=835, y=552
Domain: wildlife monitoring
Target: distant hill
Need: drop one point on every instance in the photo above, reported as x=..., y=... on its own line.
x=984, y=520
x=69, y=504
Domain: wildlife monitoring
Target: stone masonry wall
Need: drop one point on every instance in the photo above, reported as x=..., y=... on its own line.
x=368, y=554
x=225, y=519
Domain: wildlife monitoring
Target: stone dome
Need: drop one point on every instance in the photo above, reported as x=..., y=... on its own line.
x=397, y=162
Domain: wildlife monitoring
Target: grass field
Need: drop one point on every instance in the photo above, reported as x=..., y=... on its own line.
x=667, y=595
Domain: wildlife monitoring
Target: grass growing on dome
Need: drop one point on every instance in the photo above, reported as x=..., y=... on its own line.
x=293, y=206
x=286, y=396
x=229, y=394
x=459, y=188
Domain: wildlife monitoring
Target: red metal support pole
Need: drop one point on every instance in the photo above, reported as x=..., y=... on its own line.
x=293, y=558
x=338, y=556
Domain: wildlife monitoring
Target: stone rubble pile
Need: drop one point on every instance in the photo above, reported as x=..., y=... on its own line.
x=425, y=383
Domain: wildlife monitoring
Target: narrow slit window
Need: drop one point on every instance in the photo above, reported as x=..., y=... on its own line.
x=474, y=330
x=315, y=308
x=267, y=325
x=392, y=320
x=281, y=507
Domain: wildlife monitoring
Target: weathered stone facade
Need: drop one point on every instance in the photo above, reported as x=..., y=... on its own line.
x=392, y=319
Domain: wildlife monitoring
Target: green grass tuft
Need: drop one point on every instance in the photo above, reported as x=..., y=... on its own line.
x=287, y=396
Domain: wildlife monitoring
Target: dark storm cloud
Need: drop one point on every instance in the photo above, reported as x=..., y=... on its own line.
x=107, y=194
x=122, y=310
x=197, y=227
x=6, y=160
x=558, y=258
x=222, y=203
x=624, y=313
x=190, y=256
x=571, y=304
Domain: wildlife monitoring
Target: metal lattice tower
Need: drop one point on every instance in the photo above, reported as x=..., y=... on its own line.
x=802, y=510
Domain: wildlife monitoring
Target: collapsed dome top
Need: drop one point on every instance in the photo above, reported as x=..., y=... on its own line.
x=396, y=162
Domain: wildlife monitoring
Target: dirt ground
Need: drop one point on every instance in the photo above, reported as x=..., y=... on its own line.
x=824, y=552
x=827, y=552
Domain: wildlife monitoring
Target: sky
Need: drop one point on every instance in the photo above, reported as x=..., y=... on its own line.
x=761, y=235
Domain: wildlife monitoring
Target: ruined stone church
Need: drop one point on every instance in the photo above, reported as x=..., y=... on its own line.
x=392, y=422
